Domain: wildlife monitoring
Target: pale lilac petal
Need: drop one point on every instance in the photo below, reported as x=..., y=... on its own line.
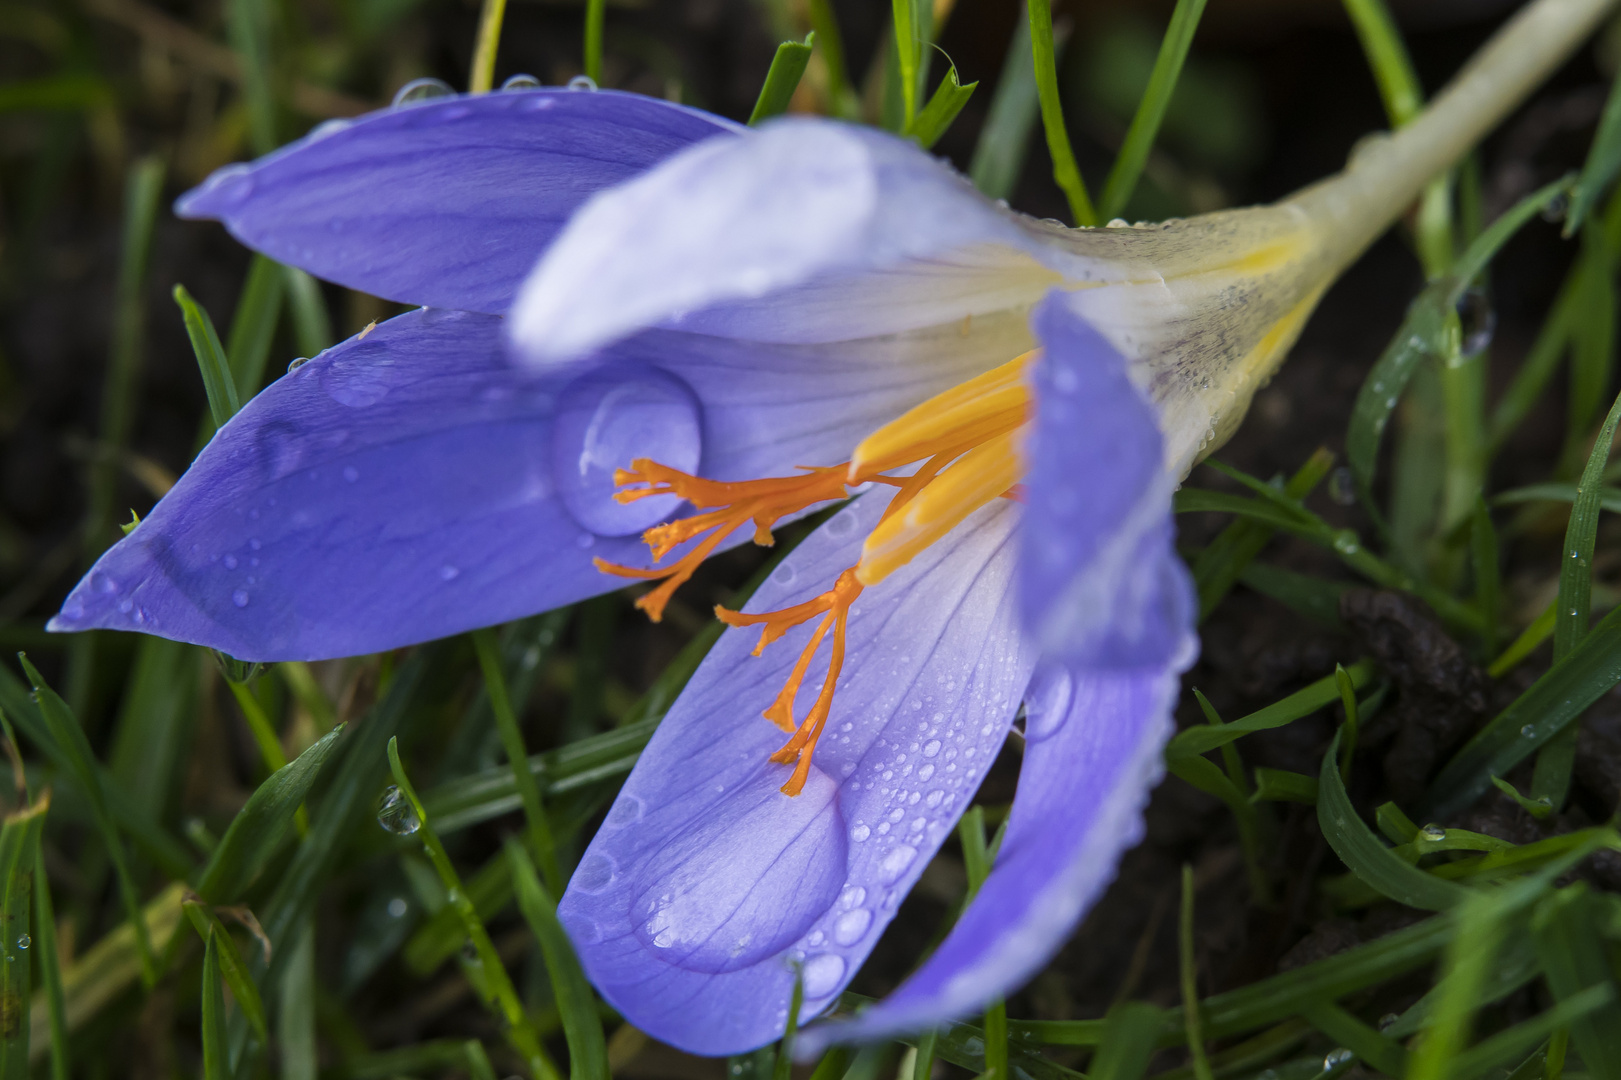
x=1092, y=755
x=706, y=885
x=1101, y=583
x=446, y=203
x=851, y=233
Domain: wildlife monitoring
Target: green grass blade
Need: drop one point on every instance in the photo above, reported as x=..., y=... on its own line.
x=1362, y=852
x=1498, y=1051
x=253, y=326
x=1536, y=716
x=152, y=734
x=258, y=829
x=1576, y=562
x=232, y=967
x=478, y=1061
x=1421, y=334
x=435, y=941
x=1573, y=608
x=19, y=854
x=1387, y=56
x=1469, y=963
x=218, y=382
x=582, y=1026
x=1221, y=564
x=216, y=1043
x=1128, y=164
x=69, y=736
x=312, y=326
x=1004, y=140
x=247, y=25
x=1592, y=349
x=595, y=14
x=1280, y=785
x=910, y=43
x=1603, y=162
x=1129, y=1033
x=1192, y=1014
x=488, y=42
x=1200, y=740
x=1609, y=498
x=497, y=990
x=1065, y=171
x=1574, y=959
x=50, y=970
x=506, y=722
x=295, y=1019
x=1384, y=1054
x=942, y=109
x=787, y=68
x=152, y=839
x=1540, y=630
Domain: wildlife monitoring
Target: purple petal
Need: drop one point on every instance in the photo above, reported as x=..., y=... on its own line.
x=412, y=484
x=1101, y=583
x=1092, y=755
x=706, y=884
x=849, y=232
x=447, y=203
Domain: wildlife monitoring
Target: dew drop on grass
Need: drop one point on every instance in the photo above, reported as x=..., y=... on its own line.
x=24, y=941
x=394, y=813
x=1433, y=832
x=1335, y=1058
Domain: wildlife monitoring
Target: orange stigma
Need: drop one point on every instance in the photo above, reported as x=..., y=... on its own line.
x=963, y=442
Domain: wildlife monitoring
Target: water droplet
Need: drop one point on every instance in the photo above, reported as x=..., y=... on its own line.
x=1477, y=321
x=23, y=941
x=1433, y=832
x=1335, y=1058
x=851, y=926
x=607, y=418
x=1555, y=210
x=350, y=473
x=394, y=813
x=1346, y=542
x=860, y=833
x=931, y=748
x=1342, y=486
x=397, y=908
x=229, y=562
x=448, y=573
x=1387, y=1021
x=896, y=863
x=853, y=896
x=240, y=598
x=418, y=91
x=296, y=363
x=925, y=772
x=595, y=873
x=522, y=82
x=1528, y=731
x=582, y=82
x=470, y=954
x=821, y=975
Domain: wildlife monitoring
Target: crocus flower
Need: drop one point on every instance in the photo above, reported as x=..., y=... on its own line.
x=735, y=329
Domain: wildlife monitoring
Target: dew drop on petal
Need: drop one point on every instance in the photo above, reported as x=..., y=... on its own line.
x=896, y=863
x=582, y=82
x=850, y=927
x=606, y=419
x=822, y=974
x=418, y=91
x=522, y=82
x=240, y=598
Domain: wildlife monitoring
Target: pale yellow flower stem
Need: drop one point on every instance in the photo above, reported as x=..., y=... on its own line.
x=1387, y=173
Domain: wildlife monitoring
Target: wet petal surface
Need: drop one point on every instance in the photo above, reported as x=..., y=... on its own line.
x=706, y=884
x=447, y=203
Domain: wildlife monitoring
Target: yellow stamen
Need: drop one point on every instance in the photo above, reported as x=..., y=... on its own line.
x=979, y=409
